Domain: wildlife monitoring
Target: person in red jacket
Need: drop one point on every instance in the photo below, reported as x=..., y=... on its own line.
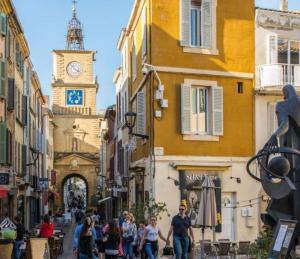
x=47, y=228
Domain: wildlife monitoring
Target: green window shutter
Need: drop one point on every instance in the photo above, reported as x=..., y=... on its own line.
x=2, y=79
x=141, y=113
x=3, y=24
x=3, y=143
x=217, y=111
x=207, y=23
x=24, y=159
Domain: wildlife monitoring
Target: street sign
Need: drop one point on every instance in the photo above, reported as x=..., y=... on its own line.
x=43, y=183
x=4, y=178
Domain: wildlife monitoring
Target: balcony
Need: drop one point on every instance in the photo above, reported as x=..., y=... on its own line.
x=275, y=76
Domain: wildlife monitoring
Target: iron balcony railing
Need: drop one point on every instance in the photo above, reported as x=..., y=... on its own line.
x=277, y=75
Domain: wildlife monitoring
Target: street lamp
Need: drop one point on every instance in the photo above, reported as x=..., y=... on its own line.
x=130, y=119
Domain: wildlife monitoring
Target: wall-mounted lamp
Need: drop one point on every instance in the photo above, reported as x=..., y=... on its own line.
x=35, y=156
x=238, y=179
x=176, y=182
x=130, y=119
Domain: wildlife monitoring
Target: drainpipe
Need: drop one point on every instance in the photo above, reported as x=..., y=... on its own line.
x=284, y=5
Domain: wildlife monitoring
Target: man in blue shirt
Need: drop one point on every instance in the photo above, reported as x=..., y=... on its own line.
x=77, y=234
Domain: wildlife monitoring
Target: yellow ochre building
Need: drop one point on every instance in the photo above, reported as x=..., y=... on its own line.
x=187, y=69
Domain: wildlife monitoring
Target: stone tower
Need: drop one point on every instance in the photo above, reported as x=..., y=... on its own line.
x=74, y=90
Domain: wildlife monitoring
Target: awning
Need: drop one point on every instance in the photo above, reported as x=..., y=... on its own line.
x=3, y=192
x=104, y=200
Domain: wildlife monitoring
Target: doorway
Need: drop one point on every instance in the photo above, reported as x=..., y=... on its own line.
x=229, y=216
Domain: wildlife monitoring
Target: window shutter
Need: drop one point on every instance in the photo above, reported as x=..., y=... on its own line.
x=272, y=119
x=185, y=13
x=207, y=23
x=217, y=111
x=273, y=49
x=3, y=24
x=24, y=110
x=2, y=78
x=3, y=143
x=11, y=94
x=140, y=108
x=9, y=147
x=144, y=32
x=186, y=117
x=24, y=159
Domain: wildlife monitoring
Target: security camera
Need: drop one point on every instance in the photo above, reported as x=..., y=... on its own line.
x=145, y=70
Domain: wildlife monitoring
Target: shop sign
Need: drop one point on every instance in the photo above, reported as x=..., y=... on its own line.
x=43, y=183
x=190, y=183
x=4, y=178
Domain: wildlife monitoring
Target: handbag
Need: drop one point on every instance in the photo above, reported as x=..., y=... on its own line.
x=190, y=245
x=168, y=250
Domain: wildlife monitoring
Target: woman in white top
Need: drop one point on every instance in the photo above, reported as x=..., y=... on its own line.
x=150, y=238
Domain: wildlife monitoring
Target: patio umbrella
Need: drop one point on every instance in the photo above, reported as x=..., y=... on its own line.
x=207, y=215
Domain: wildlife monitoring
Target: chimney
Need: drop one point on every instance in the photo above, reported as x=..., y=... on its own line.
x=284, y=5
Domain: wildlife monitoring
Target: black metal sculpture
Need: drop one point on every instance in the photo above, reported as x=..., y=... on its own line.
x=279, y=162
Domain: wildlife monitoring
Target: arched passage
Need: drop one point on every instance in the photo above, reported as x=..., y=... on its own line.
x=74, y=191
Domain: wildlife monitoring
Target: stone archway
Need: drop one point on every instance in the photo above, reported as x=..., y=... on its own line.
x=73, y=194
x=76, y=165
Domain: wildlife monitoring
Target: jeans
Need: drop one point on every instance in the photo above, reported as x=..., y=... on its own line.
x=151, y=251
x=17, y=251
x=127, y=249
x=84, y=256
x=181, y=245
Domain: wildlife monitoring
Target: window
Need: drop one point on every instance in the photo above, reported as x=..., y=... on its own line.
x=197, y=25
x=201, y=110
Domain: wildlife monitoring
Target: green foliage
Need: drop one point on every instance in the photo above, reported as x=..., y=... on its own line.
x=149, y=208
x=260, y=248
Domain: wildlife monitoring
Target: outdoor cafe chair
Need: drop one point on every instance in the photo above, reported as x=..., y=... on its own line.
x=242, y=251
x=224, y=249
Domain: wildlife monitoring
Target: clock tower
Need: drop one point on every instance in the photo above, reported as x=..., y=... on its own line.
x=74, y=86
x=77, y=125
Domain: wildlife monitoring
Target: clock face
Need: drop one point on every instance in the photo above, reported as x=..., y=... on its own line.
x=74, y=97
x=74, y=68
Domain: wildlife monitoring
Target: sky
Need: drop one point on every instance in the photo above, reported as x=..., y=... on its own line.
x=45, y=25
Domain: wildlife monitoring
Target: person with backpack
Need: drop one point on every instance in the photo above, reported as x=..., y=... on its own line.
x=112, y=241
x=86, y=243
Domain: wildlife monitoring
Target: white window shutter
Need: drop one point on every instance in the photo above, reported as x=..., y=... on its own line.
x=206, y=31
x=272, y=119
x=185, y=14
x=144, y=32
x=141, y=111
x=186, y=116
x=273, y=49
x=217, y=111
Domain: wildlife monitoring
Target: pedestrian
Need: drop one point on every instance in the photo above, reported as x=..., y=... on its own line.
x=123, y=217
x=78, y=215
x=99, y=240
x=128, y=234
x=47, y=228
x=19, y=241
x=77, y=232
x=96, y=216
x=86, y=242
x=112, y=241
x=138, y=240
x=180, y=226
x=151, y=234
